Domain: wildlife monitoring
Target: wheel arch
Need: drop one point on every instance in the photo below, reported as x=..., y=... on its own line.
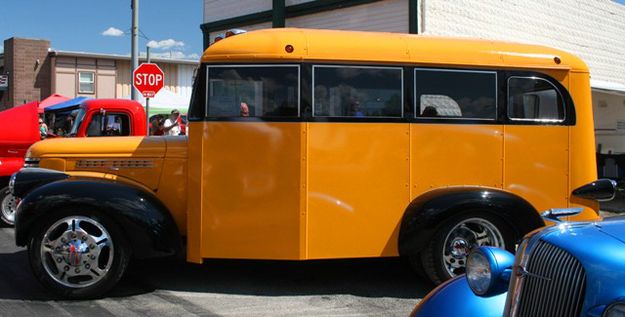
x=426, y=213
x=143, y=219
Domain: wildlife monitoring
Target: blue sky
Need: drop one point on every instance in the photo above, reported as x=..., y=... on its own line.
x=78, y=25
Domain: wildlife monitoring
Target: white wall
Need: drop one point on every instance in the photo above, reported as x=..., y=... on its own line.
x=386, y=16
x=215, y=10
x=592, y=29
x=185, y=80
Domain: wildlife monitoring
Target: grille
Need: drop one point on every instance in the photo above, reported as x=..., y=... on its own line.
x=31, y=162
x=554, y=285
x=114, y=163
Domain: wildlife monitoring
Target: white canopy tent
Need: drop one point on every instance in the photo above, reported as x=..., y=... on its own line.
x=164, y=102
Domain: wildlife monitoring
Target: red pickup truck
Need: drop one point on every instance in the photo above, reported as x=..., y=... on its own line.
x=19, y=129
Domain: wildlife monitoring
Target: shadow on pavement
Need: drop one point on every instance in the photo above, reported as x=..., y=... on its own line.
x=386, y=277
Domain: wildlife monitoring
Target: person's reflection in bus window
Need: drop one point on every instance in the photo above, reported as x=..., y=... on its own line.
x=355, y=109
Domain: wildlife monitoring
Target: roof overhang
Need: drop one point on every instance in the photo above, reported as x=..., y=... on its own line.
x=607, y=87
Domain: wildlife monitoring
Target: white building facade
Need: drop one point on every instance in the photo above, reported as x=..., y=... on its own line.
x=593, y=30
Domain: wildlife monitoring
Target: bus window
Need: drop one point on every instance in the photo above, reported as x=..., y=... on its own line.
x=455, y=94
x=354, y=91
x=263, y=91
x=534, y=99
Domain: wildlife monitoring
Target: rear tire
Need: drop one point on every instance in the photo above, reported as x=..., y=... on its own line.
x=8, y=206
x=445, y=256
x=78, y=254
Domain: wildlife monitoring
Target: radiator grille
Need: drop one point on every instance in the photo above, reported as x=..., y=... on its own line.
x=114, y=164
x=554, y=285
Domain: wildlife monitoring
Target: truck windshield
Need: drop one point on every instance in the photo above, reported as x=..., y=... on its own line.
x=79, y=117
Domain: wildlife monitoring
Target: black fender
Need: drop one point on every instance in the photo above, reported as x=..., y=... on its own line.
x=144, y=220
x=29, y=178
x=427, y=212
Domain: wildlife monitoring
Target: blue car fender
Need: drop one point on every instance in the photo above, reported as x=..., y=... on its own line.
x=455, y=298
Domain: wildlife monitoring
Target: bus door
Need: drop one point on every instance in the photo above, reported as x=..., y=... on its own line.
x=537, y=141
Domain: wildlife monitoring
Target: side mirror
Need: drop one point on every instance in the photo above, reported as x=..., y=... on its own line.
x=599, y=190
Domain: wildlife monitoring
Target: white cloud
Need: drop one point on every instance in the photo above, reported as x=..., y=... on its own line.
x=165, y=44
x=113, y=32
x=1, y=49
x=175, y=55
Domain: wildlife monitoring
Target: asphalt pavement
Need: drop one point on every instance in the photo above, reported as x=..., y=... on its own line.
x=363, y=287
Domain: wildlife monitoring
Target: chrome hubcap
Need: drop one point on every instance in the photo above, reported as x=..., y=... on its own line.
x=77, y=251
x=464, y=237
x=9, y=205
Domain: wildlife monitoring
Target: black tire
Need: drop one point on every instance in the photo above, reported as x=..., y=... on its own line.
x=105, y=282
x=8, y=205
x=417, y=266
x=433, y=256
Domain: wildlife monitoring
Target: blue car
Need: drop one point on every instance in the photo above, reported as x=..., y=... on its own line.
x=569, y=269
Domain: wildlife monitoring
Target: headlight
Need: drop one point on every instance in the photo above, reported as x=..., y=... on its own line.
x=488, y=270
x=479, y=273
x=615, y=310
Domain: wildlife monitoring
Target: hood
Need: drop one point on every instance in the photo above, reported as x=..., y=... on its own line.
x=613, y=226
x=600, y=248
x=101, y=147
x=19, y=126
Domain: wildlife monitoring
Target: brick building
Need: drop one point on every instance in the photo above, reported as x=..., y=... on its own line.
x=592, y=30
x=35, y=71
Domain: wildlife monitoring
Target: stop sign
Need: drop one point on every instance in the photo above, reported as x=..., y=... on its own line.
x=148, y=78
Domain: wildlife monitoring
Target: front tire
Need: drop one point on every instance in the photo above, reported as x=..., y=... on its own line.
x=78, y=255
x=8, y=206
x=446, y=254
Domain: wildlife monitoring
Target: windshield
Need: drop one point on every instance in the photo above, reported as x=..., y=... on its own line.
x=79, y=117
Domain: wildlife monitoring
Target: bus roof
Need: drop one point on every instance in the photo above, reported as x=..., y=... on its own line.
x=385, y=48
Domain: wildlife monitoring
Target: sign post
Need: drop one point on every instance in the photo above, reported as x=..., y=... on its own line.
x=148, y=79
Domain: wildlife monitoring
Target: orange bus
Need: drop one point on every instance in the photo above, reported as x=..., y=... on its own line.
x=318, y=144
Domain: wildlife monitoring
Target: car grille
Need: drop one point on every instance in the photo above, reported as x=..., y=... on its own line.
x=31, y=162
x=554, y=283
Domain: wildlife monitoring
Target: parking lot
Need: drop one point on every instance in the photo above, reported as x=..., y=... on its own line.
x=370, y=287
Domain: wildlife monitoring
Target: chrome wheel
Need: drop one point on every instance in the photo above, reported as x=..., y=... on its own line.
x=76, y=252
x=8, y=206
x=465, y=236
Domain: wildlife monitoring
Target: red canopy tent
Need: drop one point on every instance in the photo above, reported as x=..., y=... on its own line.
x=52, y=100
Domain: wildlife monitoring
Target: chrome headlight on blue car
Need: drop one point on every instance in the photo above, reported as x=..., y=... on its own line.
x=615, y=310
x=488, y=270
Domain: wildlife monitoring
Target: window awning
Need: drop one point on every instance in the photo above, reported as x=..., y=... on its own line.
x=607, y=87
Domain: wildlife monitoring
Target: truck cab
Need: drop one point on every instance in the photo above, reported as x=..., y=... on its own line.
x=85, y=118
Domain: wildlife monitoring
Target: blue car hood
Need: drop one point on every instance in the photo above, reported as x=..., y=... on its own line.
x=600, y=247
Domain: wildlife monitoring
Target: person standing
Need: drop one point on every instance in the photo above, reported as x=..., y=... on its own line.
x=172, y=126
x=43, y=129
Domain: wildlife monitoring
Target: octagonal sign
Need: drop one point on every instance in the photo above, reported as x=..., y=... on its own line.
x=148, y=79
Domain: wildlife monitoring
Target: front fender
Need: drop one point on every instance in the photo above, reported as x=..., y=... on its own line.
x=455, y=298
x=144, y=220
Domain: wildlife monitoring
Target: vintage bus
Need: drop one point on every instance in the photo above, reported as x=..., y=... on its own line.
x=319, y=144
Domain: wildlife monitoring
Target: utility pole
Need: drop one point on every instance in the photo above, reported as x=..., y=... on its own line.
x=147, y=100
x=134, y=53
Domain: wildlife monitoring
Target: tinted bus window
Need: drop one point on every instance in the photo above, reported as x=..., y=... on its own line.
x=534, y=99
x=348, y=91
x=253, y=91
x=455, y=94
